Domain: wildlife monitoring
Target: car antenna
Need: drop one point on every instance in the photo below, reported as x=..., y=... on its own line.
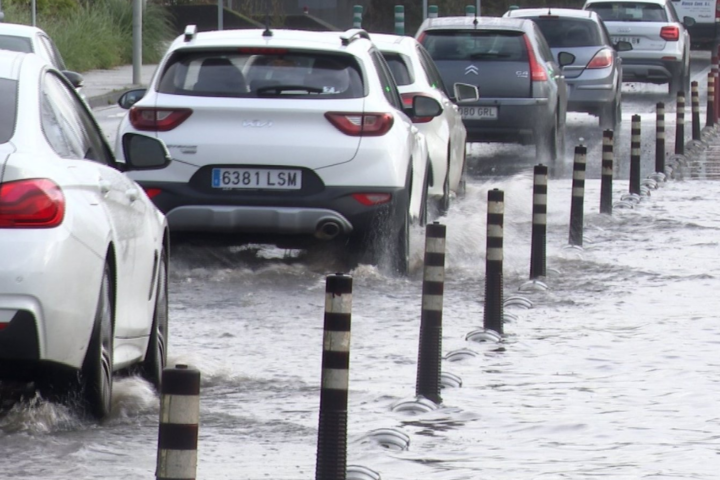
x=267, y=32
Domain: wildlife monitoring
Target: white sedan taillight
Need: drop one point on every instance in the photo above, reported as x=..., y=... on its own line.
x=361, y=124
x=158, y=119
x=34, y=203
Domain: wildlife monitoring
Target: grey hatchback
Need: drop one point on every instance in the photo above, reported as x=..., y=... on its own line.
x=595, y=77
x=523, y=94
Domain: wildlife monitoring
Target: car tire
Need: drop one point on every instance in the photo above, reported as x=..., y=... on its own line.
x=444, y=201
x=611, y=115
x=462, y=185
x=96, y=376
x=547, y=145
x=425, y=200
x=400, y=246
x=156, y=355
x=680, y=82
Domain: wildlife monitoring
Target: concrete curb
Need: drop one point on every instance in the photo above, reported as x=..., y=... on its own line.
x=110, y=98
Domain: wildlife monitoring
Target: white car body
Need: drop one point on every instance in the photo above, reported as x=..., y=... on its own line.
x=445, y=134
x=28, y=39
x=51, y=276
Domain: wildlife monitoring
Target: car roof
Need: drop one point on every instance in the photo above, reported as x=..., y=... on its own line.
x=559, y=12
x=397, y=42
x=18, y=30
x=656, y=2
x=496, y=23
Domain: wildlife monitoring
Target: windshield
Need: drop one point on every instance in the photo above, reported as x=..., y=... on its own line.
x=502, y=45
x=262, y=72
x=568, y=32
x=629, y=12
x=8, y=108
x=16, y=44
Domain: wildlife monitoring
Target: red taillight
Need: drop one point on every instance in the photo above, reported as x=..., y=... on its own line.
x=361, y=124
x=36, y=203
x=158, y=119
x=537, y=72
x=602, y=59
x=407, y=99
x=370, y=199
x=421, y=37
x=3, y=326
x=152, y=192
x=670, y=33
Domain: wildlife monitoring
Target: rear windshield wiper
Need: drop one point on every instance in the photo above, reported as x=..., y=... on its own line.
x=294, y=89
x=479, y=55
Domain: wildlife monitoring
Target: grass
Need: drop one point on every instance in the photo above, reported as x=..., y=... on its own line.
x=99, y=34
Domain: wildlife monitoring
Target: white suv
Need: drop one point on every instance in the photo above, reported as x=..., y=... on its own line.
x=284, y=132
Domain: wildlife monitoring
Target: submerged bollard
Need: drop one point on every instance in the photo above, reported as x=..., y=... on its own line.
x=606, y=178
x=332, y=430
x=179, y=419
x=493, y=313
x=695, y=109
x=710, y=113
x=680, y=124
x=660, y=137
x=539, y=223
x=578, y=196
x=430, y=349
x=635, y=155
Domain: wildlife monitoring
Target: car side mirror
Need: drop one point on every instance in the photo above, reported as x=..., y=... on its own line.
x=424, y=106
x=623, y=46
x=689, y=21
x=566, y=58
x=74, y=78
x=465, y=93
x=131, y=97
x=144, y=153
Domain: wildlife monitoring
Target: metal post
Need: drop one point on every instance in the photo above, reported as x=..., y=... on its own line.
x=578, y=196
x=695, y=108
x=357, y=16
x=470, y=10
x=220, y=14
x=660, y=138
x=179, y=419
x=680, y=124
x=430, y=348
x=34, y=13
x=399, y=20
x=714, y=72
x=477, y=6
x=493, y=314
x=635, y=155
x=425, y=9
x=606, y=179
x=433, y=11
x=709, y=120
x=716, y=63
x=332, y=430
x=539, y=222
x=137, y=42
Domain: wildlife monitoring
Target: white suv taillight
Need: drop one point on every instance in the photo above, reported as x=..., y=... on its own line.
x=670, y=33
x=34, y=203
x=158, y=119
x=602, y=59
x=361, y=124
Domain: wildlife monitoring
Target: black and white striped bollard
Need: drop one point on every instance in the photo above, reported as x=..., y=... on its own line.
x=635, y=155
x=493, y=313
x=332, y=430
x=680, y=124
x=695, y=106
x=606, y=178
x=660, y=137
x=710, y=120
x=539, y=223
x=578, y=196
x=430, y=348
x=179, y=419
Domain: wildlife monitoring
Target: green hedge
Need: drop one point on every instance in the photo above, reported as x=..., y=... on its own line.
x=96, y=34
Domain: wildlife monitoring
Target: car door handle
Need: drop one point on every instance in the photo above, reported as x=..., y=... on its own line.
x=132, y=194
x=104, y=187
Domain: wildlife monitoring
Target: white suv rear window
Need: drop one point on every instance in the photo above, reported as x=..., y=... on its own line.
x=261, y=73
x=629, y=12
x=8, y=107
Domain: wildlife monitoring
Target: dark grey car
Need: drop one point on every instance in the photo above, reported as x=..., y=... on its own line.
x=523, y=94
x=595, y=77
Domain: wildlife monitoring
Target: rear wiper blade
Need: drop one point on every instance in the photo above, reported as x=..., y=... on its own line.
x=279, y=89
x=489, y=55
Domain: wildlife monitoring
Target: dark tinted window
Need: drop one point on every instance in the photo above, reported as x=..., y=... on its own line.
x=501, y=45
x=629, y=12
x=262, y=72
x=16, y=44
x=399, y=68
x=569, y=32
x=8, y=108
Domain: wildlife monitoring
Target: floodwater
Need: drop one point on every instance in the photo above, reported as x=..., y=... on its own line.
x=613, y=372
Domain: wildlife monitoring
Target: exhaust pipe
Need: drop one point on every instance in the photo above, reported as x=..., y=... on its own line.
x=328, y=229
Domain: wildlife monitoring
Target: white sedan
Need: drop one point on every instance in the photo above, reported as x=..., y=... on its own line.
x=84, y=252
x=416, y=74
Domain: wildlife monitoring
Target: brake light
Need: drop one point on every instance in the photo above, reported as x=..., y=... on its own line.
x=3, y=326
x=152, y=192
x=35, y=203
x=158, y=119
x=602, y=59
x=361, y=124
x=407, y=99
x=537, y=72
x=421, y=37
x=370, y=199
x=670, y=33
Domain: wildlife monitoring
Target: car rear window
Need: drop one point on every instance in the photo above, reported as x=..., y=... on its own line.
x=476, y=45
x=262, y=72
x=568, y=32
x=629, y=12
x=8, y=108
x=16, y=44
x=399, y=68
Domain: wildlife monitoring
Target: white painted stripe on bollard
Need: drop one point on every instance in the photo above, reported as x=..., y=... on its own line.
x=334, y=341
x=335, y=379
x=495, y=254
x=180, y=409
x=434, y=274
x=178, y=462
x=495, y=231
x=338, y=303
x=540, y=219
x=435, y=245
x=432, y=302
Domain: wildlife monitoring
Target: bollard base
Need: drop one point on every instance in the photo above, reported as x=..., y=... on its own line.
x=533, y=286
x=358, y=472
x=391, y=438
x=460, y=355
x=483, y=335
x=450, y=380
x=517, y=300
x=419, y=404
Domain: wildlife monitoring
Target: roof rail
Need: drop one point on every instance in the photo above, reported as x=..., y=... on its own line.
x=353, y=34
x=190, y=32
